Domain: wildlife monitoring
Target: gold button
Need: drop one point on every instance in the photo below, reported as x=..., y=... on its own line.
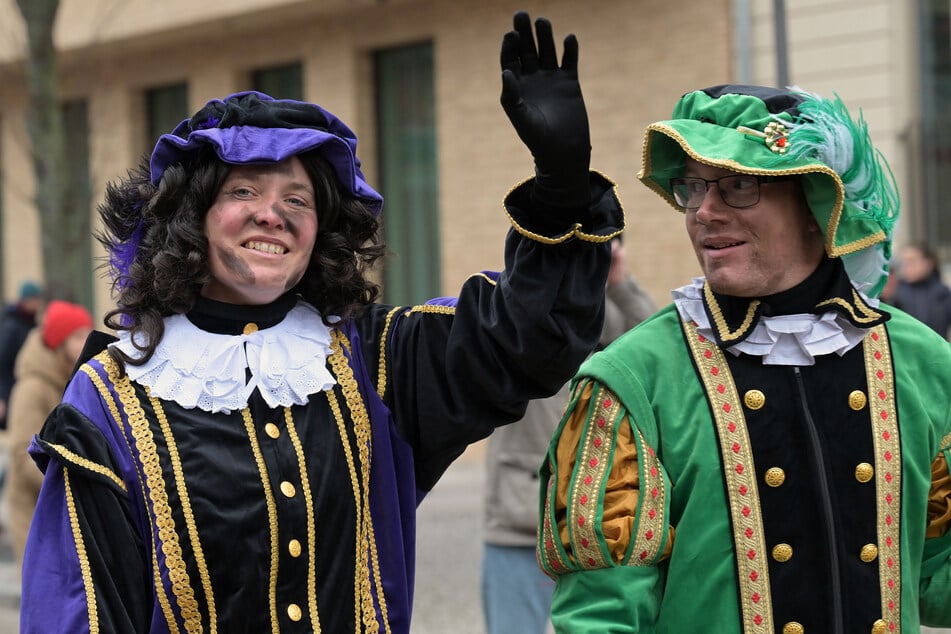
x=782, y=552
x=864, y=472
x=293, y=547
x=869, y=553
x=294, y=612
x=879, y=627
x=288, y=489
x=272, y=430
x=250, y=327
x=857, y=400
x=793, y=628
x=754, y=399
x=775, y=476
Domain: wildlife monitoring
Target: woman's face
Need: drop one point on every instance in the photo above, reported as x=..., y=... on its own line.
x=261, y=232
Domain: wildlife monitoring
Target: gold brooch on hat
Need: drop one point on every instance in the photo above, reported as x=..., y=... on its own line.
x=775, y=135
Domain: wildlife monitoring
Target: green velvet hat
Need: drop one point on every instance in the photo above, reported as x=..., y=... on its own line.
x=758, y=130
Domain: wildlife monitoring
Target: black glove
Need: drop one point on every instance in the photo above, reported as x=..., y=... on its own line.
x=545, y=106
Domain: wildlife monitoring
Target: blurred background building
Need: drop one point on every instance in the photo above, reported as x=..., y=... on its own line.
x=418, y=80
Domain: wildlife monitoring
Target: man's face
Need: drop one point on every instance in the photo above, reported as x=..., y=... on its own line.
x=261, y=232
x=755, y=251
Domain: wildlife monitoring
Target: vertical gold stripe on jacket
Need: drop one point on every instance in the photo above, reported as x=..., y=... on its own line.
x=884, y=416
x=90, y=589
x=749, y=542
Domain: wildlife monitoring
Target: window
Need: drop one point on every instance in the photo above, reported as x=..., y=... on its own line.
x=407, y=163
x=165, y=108
x=282, y=82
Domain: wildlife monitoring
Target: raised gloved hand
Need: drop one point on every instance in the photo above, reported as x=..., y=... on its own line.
x=544, y=103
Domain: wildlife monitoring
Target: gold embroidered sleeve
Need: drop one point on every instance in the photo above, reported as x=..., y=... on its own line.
x=939, y=499
x=607, y=492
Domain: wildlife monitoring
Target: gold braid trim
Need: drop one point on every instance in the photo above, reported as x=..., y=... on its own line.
x=112, y=371
x=163, y=521
x=187, y=511
x=749, y=542
x=432, y=308
x=868, y=314
x=271, y=518
x=381, y=372
x=311, y=521
x=651, y=520
x=722, y=328
x=361, y=428
x=888, y=468
x=85, y=463
x=84, y=567
x=945, y=443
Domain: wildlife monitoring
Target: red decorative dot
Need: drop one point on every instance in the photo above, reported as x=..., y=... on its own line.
x=707, y=354
x=650, y=450
x=886, y=435
x=891, y=626
x=877, y=355
x=649, y=534
x=601, y=422
x=593, y=462
x=700, y=338
x=721, y=388
x=731, y=426
x=749, y=533
x=891, y=562
x=758, y=619
x=591, y=561
x=726, y=408
x=597, y=443
x=888, y=456
x=608, y=402
x=888, y=477
x=880, y=374
x=891, y=604
x=746, y=511
x=588, y=480
x=736, y=447
x=754, y=576
x=888, y=520
x=654, y=492
x=584, y=499
x=875, y=336
x=584, y=542
x=751, y=554
x=715, y=371
x=755, y=597
x=739, y=469
x=549, y=544
x=891, y=584
x=888, y=541
x=652, y=513
x=743, y=490
x=888, y=498
x=882, y=394
x=643, y=554
x=884, y=415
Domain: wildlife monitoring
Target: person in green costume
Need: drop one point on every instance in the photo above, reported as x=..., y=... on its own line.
x=768, y=453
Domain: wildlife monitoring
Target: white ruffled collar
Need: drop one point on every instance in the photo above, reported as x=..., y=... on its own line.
x=781, y=339
x=197, y=368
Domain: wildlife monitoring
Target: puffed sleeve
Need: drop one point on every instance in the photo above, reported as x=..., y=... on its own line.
x=84, y=547
x=935, y=584
x=604, y=518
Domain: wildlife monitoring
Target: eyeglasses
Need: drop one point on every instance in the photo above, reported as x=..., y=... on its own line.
x=736, y=190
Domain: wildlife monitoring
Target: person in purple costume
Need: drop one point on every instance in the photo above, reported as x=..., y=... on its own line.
x=249, y=453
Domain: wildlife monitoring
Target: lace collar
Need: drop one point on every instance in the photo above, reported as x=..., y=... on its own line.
x=214, y=372
x=780, y=339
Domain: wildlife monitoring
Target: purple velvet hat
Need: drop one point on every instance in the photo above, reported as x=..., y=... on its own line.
x=251, y=127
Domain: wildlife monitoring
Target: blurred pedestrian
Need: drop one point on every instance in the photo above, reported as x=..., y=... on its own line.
x=250, y=453
x=516, y=593
x=17, y=321
x=920, y=291
x=43, y=369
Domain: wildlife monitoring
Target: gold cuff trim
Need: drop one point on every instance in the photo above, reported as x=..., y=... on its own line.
x=73, y=458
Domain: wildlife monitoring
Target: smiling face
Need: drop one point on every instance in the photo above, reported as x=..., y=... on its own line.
x=757, y=251
x=261, y=232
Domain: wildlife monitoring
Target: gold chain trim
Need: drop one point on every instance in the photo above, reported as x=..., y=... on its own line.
x=190, y=525
x=651, y=520
x=748, y=538
x=381, y=372
x=163, y=521
x=594, y=462
x=311, y=521
x=85, y=463
x=367, y=542
x=271, y=517
x=432, y=308
x=888, y=467
x=722, y=328
x=112, y=371
x=91, y=608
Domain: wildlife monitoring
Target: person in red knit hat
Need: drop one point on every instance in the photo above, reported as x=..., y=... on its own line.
x=42, y=371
